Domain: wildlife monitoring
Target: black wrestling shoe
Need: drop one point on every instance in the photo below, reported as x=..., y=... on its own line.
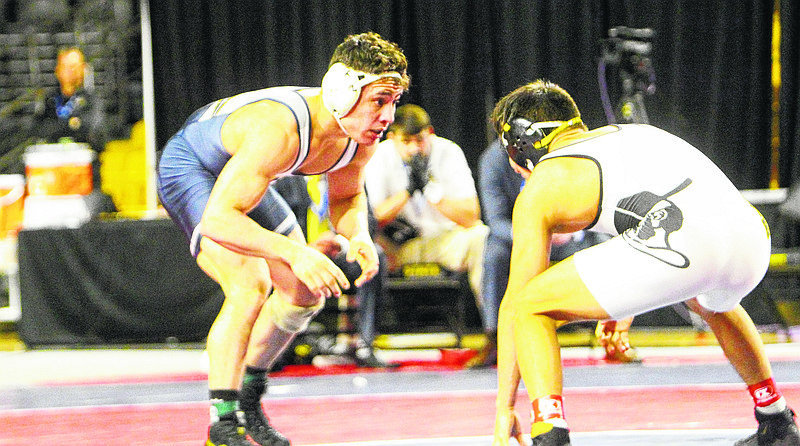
x=260, y=431
x=227, y=432
x=256, y=424
x=778, y=429
x=558, y=436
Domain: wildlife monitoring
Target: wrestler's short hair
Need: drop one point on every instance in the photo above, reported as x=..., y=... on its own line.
x=539, y=101
x=371, y=53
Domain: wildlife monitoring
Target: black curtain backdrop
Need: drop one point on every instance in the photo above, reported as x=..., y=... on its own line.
x=789, y=166
x=712, y=62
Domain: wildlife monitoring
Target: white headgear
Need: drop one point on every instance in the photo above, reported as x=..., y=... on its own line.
x=341, y=87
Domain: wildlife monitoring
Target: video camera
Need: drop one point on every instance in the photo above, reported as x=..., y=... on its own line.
x=629, y=48
x=631, y=41
x=627, y=51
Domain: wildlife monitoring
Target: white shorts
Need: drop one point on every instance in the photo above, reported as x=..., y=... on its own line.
x=719, y=261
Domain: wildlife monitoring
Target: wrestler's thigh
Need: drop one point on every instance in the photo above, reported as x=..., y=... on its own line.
x=238, y=273
x=233, y=271
x=559, y=292
x=627, y=282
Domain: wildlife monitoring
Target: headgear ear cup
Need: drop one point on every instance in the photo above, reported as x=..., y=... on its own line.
x=527, y=142
x=520, y=138
x=338, y=90
x=341, y=87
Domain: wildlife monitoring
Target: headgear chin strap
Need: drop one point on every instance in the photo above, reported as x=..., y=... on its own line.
x=526, y=142
x=341, y=87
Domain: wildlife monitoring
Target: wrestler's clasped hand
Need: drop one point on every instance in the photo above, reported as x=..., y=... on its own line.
x=613, y=337
x=322, y=277
x=362, y=250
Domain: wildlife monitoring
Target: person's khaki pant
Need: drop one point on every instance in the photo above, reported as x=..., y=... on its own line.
x=460, y=249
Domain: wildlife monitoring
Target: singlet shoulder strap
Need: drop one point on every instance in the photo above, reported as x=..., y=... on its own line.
x=299, y=107
x=288, y=96
x=347, y=155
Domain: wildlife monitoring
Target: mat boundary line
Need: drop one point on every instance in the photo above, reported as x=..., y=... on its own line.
x=661, y=433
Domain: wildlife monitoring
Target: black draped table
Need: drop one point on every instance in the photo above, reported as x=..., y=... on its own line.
x=112, y=282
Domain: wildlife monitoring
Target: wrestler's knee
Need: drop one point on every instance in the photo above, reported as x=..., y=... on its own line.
x=524, y=306
x=246, y=298
x=527, y=303
x=708, y=314
x=540, y=305
x=289, y=317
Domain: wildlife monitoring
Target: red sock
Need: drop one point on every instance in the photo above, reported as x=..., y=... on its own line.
x=764, y=393
x=547, y=408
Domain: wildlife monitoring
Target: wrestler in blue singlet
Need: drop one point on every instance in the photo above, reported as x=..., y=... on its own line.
x=194, y=157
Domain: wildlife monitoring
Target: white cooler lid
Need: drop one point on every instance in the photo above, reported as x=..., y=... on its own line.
x=58, y=158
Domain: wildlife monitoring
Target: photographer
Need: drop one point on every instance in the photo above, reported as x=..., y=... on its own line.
x=425, y=200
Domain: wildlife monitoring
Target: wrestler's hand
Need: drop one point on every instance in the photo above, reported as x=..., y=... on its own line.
x=327, y=244
x=318, y=272
x=559, y=238
x=362, y=250
x=507, y=426
x=613, y=337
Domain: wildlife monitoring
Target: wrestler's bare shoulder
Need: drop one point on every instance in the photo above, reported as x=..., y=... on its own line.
x=268, y=121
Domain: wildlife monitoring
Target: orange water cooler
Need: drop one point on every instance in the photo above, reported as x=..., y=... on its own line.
x=59, y=176
x=12, y=192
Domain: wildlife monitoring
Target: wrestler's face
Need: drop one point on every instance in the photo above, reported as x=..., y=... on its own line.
x=525, y=173
x=373, y=112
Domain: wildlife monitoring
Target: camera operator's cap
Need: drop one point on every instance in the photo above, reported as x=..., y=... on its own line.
x=410, y=119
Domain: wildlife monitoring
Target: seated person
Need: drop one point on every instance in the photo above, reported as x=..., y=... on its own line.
x=73, y=112
x=307, y=196
x=423, y=194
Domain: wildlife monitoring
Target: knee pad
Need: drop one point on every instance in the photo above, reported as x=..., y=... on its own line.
x=289, y=317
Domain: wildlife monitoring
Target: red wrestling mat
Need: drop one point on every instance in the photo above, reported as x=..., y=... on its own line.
x=449, y=360
x=454, y=359
x=385, y=417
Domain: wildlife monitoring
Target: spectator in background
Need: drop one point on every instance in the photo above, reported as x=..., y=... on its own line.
x=73, y=113
x=307, y=196
x=499, y=186
x=424, y=198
